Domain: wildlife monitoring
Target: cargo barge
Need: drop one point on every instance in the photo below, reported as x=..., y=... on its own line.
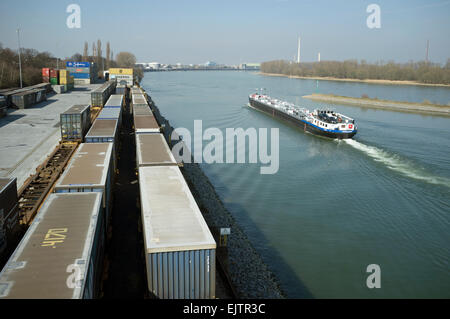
x=318, y=122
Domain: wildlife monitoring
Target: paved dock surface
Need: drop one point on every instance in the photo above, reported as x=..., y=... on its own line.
x=28, y=136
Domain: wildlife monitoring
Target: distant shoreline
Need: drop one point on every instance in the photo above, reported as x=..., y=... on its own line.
x=399, y=106
x=369, y=81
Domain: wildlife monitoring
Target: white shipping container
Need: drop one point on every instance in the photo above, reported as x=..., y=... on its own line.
x=179, y=248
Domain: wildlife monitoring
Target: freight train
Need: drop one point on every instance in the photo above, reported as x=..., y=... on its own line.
x=66, y=241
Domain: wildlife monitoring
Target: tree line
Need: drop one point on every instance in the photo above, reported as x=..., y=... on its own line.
x=33, y=61
x=422, y=72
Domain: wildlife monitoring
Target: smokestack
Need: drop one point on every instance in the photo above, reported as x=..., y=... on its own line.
x=428, y=47
x=318, y=57
x=298, y=51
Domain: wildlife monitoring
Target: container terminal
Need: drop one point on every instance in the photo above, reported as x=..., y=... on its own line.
x=94, y=204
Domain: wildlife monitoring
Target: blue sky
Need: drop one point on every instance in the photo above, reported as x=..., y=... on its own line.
x=232, y=31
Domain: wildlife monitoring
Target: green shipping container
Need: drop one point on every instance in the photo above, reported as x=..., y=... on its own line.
x=54, y=81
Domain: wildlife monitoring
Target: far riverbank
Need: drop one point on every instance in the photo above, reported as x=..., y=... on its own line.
x=400, y=106
x=382, y=82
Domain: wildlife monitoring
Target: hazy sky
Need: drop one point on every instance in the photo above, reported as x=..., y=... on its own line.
x=231, y=32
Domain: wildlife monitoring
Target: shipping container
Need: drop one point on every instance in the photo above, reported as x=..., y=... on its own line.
x=136, y=90
x=90, y=170
x=82, y=81
x=75, y=123
x=115, y=100
x=124, y=71
x=9, y=218
x=105, y=131
x=59, y=88
x=79, y=70
x=121, y=89
x=23, y=100
x=40, y=95
x=46, y=72
x=71, y=64
x=100, y=95
x=111, y=114
x=46, y=86
x=141, y=109
x=81, y=75
x=54, y=73
x=145, y=124
x=152, y=150
x=122, y=79
x=139, y=99
x=61, y=254
x=102, y=131
x=64, y=73
x=179, y=248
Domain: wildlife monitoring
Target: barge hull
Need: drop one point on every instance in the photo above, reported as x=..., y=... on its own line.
x=307, y=127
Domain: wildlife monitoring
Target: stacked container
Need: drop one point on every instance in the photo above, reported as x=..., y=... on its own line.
x=54, y=76
x=83, y=72
x=66, y=79
x=75, y=123
x=46, y=75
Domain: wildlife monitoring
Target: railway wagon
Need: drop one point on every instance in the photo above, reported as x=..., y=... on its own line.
x=115, y=100
x=61, y=254
x=179, y=248
x=9, y=219
x=152, y=150
x=75, y=123
x=90, y=170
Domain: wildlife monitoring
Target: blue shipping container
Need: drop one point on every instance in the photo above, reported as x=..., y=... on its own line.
x=81, y=75
x=78, y=70
x=78, y=64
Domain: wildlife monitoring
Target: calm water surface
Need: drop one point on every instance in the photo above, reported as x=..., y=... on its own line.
x=334, y=207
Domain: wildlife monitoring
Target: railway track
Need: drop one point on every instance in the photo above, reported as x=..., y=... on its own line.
x=37, y=187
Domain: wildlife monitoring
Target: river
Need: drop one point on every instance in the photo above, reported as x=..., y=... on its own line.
x=333, y=207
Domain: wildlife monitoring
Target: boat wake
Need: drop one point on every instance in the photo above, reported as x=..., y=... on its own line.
x=395, y=163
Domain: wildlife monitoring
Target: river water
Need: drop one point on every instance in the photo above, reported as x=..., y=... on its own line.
x=333, y=207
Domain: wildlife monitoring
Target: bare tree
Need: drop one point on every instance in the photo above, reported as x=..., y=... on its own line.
x=108, y=54
x=99, y=52
x=85, y=52
x=94, y=50
x=126, y=59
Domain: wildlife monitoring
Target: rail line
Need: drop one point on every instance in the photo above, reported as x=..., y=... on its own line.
x=37, y=187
